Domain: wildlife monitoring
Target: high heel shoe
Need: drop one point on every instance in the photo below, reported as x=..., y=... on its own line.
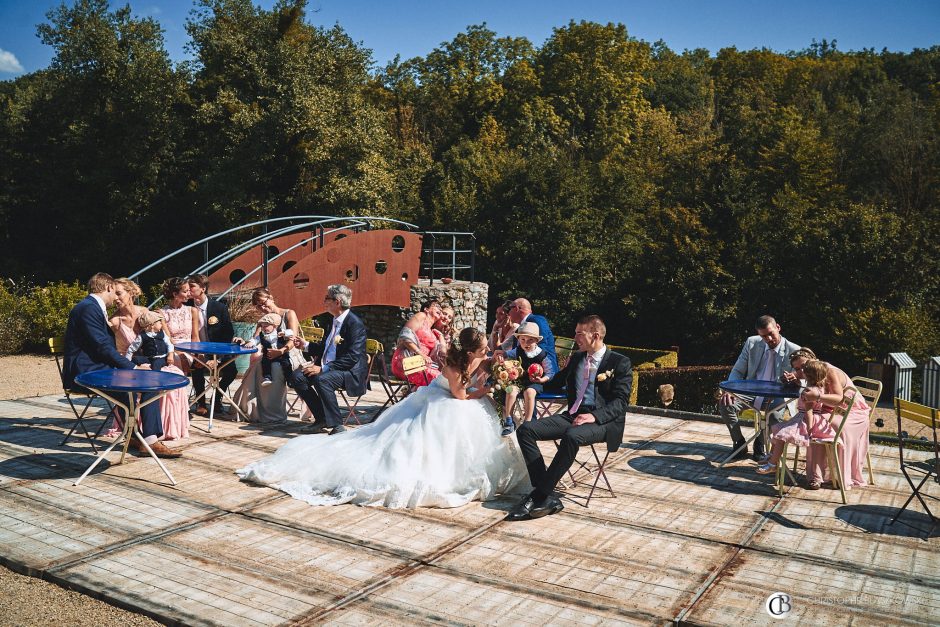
x=767, y=469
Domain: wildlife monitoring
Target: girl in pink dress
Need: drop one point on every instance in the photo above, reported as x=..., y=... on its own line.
x=174, y=407
x=807, y=424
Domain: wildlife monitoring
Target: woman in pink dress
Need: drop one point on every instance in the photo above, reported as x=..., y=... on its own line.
x=418, y=338
x=854, y=450
x=182, y=322
x=174, y=407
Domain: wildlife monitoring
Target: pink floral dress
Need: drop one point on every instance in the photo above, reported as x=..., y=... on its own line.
x=796, y=431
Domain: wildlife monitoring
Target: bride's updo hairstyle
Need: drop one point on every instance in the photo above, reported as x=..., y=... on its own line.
x=458, y=355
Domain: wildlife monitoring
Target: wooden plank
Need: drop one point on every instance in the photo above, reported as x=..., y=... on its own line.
x=195, y=577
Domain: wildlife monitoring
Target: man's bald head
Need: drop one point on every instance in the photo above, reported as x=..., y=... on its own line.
x=520, y=309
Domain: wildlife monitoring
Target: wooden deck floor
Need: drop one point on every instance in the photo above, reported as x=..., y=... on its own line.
x=682, y=542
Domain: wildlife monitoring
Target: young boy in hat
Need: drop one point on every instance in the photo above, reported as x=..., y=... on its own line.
x=268, y=337
x=151, y=346
x=536, y=370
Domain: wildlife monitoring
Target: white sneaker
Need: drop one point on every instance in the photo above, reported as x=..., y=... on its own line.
x=265, y=382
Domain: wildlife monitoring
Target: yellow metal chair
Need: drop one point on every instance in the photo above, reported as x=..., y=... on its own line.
x=871, y=390
x=832, y=450
x=930, y=468
x=564, y=347
x=57, y=348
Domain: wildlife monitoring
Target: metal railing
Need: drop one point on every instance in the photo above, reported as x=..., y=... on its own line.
x=318, y=226
x=447, y=254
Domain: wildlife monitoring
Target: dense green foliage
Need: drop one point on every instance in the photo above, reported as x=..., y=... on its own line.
x=31, y=314
x=681, y=195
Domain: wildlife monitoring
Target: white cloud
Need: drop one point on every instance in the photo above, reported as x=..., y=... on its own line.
x=9, y=62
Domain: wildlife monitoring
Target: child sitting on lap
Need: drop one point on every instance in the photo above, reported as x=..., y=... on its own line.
x=536, y=370
x=268, y=337
x=151, y=346
x=807, y=424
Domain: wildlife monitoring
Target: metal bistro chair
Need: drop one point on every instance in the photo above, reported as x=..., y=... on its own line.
x=930, y=468
x=373, y=348
x=395, y=389
x=415, y=365
x=57, y=348
x=871, y=390
x=832, y=452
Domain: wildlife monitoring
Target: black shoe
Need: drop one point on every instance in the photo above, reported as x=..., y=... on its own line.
x=759, y=456
x=551, y=505
x=522, y=509
x=338, y=429
x=316, y=427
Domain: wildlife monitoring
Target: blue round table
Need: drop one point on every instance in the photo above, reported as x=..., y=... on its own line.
x=220, y=355
x=758, y=389
x=113, y=384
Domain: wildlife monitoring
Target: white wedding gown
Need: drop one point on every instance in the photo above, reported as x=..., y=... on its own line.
x=430, y=450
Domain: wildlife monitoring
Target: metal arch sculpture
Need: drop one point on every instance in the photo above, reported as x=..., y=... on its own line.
x=379, y=265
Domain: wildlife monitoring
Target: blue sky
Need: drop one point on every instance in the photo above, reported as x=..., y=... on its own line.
x=415, y=27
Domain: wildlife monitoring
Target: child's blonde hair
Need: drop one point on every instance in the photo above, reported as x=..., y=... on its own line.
x=815, y=371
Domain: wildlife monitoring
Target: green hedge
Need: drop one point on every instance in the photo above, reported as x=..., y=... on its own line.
x=30, y=314
x=643, y=358
x=695, y=387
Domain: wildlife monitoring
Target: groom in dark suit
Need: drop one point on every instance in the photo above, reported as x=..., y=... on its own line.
x=343, y=362
x=598, y=383
x=89, y=346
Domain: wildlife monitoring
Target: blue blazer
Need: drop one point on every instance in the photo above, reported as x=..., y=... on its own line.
x=547, y=343
x=89, y=343
x=350, y=354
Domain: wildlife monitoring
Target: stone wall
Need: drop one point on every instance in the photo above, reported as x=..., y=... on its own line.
x=468, y=300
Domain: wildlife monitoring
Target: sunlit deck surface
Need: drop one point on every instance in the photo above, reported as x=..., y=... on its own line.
x=683, y=541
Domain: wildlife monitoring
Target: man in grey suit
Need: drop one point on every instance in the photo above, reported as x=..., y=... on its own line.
x=765, y=356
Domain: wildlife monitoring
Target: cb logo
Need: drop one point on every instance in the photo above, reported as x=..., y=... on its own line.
x=778, y=605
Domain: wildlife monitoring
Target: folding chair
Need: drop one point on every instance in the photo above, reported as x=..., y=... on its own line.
x=393, y=387
x=564, y=347
x=597, y=472
x=415, y=365
x=373, y=348
x=832, y=449
x=929, y=417
x=57, y=348
x=871, y=390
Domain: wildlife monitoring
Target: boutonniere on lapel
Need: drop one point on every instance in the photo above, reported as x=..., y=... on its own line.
x=603, y=376
x=338, y=339
x=213, y=320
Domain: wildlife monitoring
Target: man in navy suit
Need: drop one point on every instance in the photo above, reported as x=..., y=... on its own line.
x=89, y=346
x=215, y=325
x=343, y=362
x=521, y=311
x=598, y=383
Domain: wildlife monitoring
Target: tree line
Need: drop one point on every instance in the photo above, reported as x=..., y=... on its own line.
x=679, y=194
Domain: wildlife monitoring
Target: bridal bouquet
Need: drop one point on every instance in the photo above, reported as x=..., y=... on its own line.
x=506, y=376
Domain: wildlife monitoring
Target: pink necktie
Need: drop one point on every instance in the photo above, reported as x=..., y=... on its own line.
x=766, y=374
x=582, y=389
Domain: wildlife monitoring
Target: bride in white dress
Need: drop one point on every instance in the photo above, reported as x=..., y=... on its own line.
x=440, y=447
